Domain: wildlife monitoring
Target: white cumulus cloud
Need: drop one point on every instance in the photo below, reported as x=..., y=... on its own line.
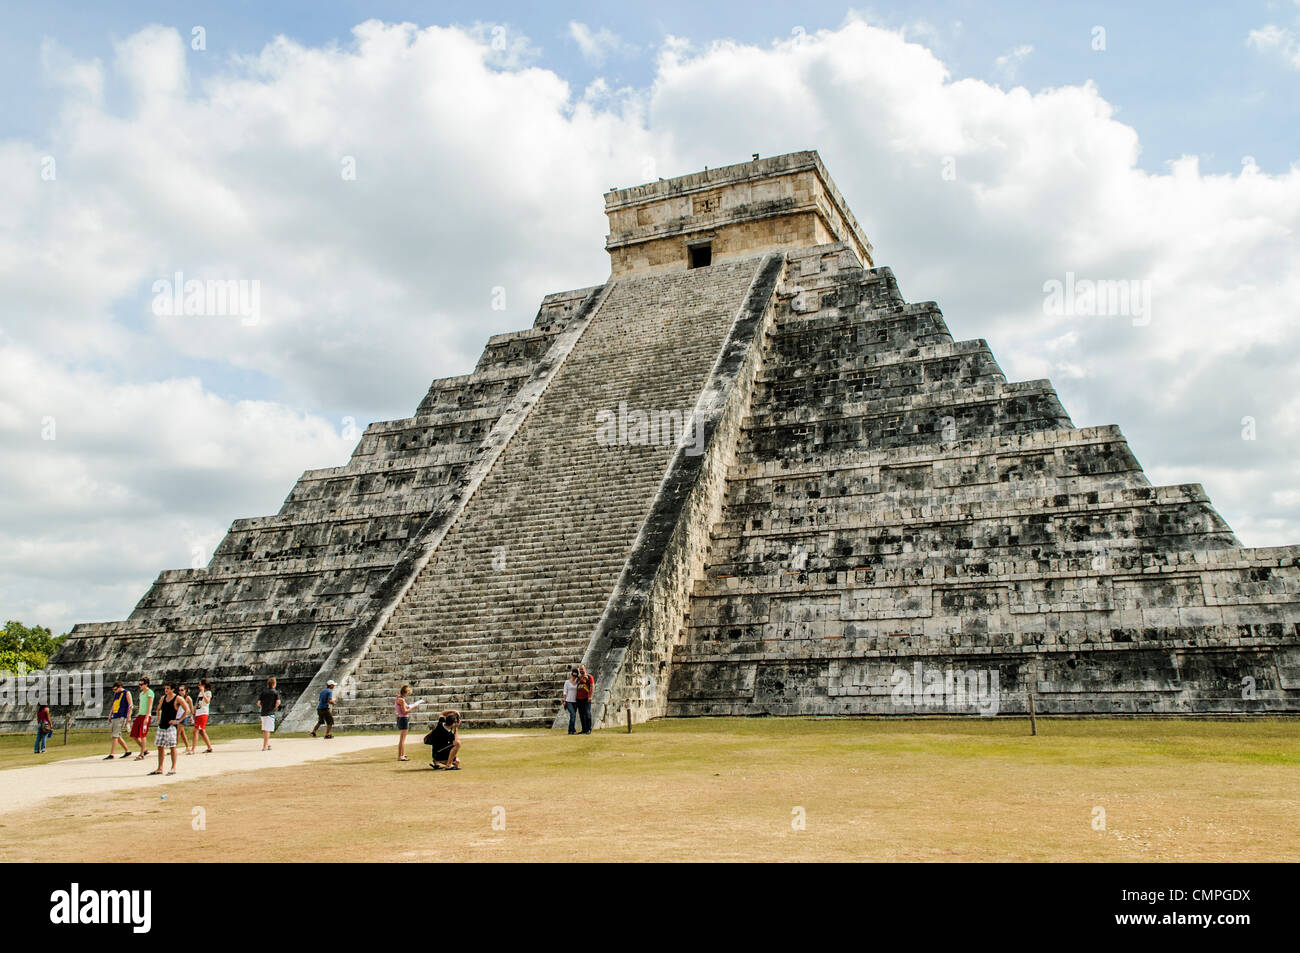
x=477, y=170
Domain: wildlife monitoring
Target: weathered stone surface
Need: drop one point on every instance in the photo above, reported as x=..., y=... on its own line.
x=896, y=501
x=741, y=210
x=869, y=500
x=281, y=592
x=515, y=591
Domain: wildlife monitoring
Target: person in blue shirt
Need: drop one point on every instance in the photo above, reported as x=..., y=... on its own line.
x=119, y=720
x=325, y=710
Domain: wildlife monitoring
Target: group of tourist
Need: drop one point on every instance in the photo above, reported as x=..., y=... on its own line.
x=578, y=689
x=182, y=719
x=443, y=736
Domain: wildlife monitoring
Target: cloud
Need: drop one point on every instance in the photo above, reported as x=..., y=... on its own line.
x=1277, y=41
x=108, y=482
x=370, y=286
x=506, y=47
x=1008, y=64
x=596, y=46
x=475, y=169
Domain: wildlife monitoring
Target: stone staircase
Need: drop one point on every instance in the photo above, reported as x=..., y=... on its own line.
x=513, y=594
x=896, y=500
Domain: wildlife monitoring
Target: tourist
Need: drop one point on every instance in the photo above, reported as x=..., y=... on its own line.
x=202, y=705
x=442, y=739
x=324, y=710
x=44, y=728
x=571, y=698
x=267, y=703
x=187, y=718
x=119, y=716
x=404, y=710
x=143, y=715
x=170, y=712
x=586, y=688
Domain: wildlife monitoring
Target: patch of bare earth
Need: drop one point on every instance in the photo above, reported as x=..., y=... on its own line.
x=734, y=790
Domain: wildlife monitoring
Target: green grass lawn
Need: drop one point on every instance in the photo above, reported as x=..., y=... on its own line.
x=738, y=789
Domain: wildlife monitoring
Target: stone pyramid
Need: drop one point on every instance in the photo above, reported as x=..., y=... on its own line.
x=742, y=476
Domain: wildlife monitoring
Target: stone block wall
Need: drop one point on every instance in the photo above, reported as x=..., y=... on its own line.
x=897, y=502
x=745, y=210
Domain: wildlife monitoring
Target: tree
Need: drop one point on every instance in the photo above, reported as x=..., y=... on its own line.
x=32, y=647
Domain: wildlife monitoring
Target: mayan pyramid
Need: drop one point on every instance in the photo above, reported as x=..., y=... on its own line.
x=857, y=495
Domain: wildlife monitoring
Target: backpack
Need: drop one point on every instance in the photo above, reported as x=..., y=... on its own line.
x=428, y=739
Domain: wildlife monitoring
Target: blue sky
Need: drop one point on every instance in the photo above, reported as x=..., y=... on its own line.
x=483, y=169
x=1181, y=73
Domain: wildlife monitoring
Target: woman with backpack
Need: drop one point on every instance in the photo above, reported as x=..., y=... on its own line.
x=44, y=728
x=442, y=739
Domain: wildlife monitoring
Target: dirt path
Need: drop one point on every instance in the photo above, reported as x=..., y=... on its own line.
x=21, y=788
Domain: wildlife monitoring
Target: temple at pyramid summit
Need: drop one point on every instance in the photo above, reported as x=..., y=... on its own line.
x=741, y=476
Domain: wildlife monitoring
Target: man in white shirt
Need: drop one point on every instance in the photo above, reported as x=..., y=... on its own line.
x=571, y=699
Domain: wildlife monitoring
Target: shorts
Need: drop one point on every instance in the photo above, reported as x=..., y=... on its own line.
x=140, y=727
x=268, y=723
x=187, y=720
x=403, y=724
x=442, y=754
x=324, y=716
x=165, y=737
x=115, y=726
x=200, y=721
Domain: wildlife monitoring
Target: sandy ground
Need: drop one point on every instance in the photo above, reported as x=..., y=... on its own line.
x=698, y=789
x=22, y=788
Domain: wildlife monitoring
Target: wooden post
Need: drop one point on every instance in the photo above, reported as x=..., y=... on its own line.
x=67, y=723
x=1033, y=679
x=629, y=719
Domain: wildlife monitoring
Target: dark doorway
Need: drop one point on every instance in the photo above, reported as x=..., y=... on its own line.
x=700, y=255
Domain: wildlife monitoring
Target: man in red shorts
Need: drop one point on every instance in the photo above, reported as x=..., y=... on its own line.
x=140, y=727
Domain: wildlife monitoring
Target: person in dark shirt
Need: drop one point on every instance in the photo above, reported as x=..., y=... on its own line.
x=267, y=703
x=586, y=688
x=442, y=738
x=119, y=718
x=44, y=728
x=171, y=710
